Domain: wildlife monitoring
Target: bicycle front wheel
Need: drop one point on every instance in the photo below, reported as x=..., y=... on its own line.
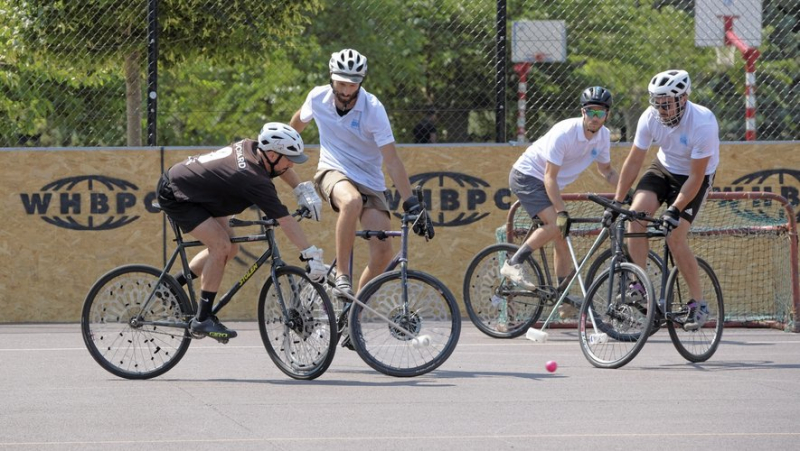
x=297, y=324
x=613, y=326
x=695, y=345
x=497, y=306
x=429, y=313
x=124, y=337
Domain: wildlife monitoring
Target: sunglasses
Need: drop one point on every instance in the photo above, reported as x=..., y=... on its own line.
x=594, y=113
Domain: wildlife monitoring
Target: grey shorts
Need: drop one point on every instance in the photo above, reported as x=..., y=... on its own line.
x=326, y=179
x=530, y=191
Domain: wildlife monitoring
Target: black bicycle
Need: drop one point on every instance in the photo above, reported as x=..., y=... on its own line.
x=501, y=309
x=616, y=319
x=135, y=319
x=404, y=322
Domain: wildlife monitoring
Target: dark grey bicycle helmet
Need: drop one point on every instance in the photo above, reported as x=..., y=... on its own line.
x=596, y=95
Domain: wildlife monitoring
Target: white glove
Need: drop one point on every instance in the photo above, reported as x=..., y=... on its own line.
x=307, y=197
x=316, y=268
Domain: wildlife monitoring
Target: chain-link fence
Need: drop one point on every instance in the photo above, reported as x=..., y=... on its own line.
x=82, y=73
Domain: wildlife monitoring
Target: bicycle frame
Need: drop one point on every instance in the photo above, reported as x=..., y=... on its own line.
x=562, y=289
x=267, y=234
x=401, y=259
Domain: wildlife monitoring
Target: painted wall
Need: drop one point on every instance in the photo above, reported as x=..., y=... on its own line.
x=73, y=214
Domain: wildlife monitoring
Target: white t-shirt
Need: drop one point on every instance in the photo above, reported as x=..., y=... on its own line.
x=566, y=146
x=696, y=137
x=350, y=143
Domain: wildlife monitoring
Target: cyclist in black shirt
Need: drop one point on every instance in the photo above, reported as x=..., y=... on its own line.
x=202, y=192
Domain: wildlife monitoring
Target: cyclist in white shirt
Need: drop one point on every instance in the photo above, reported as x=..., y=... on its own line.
x=550, y=164
x=356, y=140
x=681, y=175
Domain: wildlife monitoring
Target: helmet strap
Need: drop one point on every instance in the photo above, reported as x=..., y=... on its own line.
x=272, y=172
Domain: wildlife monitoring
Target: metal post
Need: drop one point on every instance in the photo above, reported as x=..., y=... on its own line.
x=750, y=55
x=152, y=70
x=522, y=70
x=500, y=73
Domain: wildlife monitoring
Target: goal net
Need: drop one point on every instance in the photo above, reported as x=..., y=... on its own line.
x=748, y=238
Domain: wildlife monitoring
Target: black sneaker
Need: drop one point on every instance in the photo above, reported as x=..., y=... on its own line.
x=212, y=328
x=346, y=342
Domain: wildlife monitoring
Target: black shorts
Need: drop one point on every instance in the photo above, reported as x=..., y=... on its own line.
x=187, y=215
x=667, y=186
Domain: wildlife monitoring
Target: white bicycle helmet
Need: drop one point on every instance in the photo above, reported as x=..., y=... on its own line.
x=667, y=87
x=283, y=139
x=670, y=83
x=348, y=65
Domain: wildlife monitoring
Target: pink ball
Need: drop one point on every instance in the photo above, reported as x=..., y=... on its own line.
x=551, y=366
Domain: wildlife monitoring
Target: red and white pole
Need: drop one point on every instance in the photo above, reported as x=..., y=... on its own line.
x=750, y=55
x=522, y=70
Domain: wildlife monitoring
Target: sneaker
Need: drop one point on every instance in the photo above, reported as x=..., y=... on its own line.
x=516, y=274
x=346, y=342
x=211, y=327
x=343, y=285
x=634, y=294
x=696, y=315
x=569, y=307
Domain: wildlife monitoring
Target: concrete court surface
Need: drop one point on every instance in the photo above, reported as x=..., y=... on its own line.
x=490, y=394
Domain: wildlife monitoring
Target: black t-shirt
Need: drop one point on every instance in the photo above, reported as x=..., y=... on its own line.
x=423, y=131
x=227, y=181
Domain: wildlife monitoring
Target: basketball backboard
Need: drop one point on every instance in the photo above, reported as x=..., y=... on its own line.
x=539, y=41
x=709, y=21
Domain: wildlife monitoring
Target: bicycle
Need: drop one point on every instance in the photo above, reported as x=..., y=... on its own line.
x=404, y=322
x=501, y=309
x=615, y=322
x=135, y=318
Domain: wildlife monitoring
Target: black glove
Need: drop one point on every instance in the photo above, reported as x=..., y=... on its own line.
x=629, y=197
x=422, y=226
x=671, y=217
x=610, y=215
x=563, y=223
x=411, y=205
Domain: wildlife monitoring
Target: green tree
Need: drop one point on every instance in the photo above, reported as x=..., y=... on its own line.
x=87, y=37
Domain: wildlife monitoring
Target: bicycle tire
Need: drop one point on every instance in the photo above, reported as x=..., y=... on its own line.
x=431, y=311
x=116, y=342
x=654, y=269
x=492, y=301
x=301, y=343
x=612, y=331
x=698, y=345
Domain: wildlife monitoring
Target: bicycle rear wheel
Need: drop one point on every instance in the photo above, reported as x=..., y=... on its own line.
x=430, y=312
x=496, y=306
x=303, y=341
x=612, y=328
x=115, y=329
x=696, y=345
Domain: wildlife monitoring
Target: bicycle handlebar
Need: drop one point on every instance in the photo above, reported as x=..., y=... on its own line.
x=300, y=213
x=630, y=214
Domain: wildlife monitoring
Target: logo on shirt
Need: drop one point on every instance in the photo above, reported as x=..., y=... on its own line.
x=783, y=182
x=354, y=123
x=684, y=139
x=454, y=199
x=594, y=152
x=87, y=202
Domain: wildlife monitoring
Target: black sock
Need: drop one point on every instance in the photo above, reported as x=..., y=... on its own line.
x=522, y=254
x=181, y=278
x=206, y=302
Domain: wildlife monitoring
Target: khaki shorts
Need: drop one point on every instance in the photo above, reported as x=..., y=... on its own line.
x=326, y=179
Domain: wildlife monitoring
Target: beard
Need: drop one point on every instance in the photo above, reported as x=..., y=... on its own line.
x=345, y=100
